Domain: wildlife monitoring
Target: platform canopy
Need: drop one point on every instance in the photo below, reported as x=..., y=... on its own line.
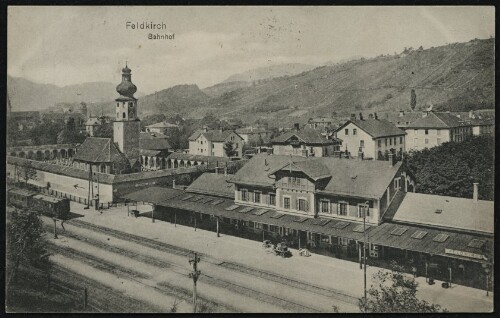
x=153, y=195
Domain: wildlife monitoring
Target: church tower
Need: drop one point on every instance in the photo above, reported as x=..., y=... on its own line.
x=126, y=127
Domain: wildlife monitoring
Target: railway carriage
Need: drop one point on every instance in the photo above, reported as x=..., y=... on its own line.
x=47, y=205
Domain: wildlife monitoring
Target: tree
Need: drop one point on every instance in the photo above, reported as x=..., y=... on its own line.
x=413, y=101
x=26, y=172
x=25, y=243
x=395, y=292
x=229, y=149
x=68, y=136
x=451, y=168
x=105, y=130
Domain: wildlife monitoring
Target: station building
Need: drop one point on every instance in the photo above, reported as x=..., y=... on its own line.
x=319, y=203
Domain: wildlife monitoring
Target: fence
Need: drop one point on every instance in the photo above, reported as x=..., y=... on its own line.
x=79, y=294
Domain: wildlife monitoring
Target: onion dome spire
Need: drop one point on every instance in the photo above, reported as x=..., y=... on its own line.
x=126, y=87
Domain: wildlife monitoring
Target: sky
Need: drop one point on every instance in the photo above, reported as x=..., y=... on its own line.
x=72, y=45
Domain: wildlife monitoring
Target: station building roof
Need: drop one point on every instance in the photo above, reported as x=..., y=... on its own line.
x=365, y=178
x=213, y=184
x=446, y=212
x=405, y=237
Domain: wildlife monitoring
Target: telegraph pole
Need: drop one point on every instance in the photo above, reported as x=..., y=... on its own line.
x=194, y=275
x=55, y=228
x=217, y=218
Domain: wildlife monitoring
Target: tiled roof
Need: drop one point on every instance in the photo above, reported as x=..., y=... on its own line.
x=95, y=149
x=381, y=235
x=437, y=120
x=213, y=184
x=187, y=156
x=212, y=135
x=406, y=119
x=376, y=127
x=153, y=195
x=307, y=135
x=58, y=169
x=365, y=178
x=315, y=169
x=256, y=170
x=457, y=213
x=153, y=141
x=162, y=124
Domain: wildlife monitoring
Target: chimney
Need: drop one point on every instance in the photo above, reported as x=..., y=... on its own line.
x=475, y=195
x=296, y=126
x=370, y=116
x=353, y=116
x=221, y=129
x=375, y=115
x=205, y=128
x=360, y=116
x=401, y=113
x=391, y=159
x=471, y=114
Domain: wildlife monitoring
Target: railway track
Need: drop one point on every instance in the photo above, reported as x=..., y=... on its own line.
x=180, y=293
x=164, y=288
x=240, y=268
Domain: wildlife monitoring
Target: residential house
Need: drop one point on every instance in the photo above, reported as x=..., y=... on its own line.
x=372, y=138
x=211, y=143
x=435, y=128
x=162, y=128
x=91, y=124
x=304, y=142
x=254, y=135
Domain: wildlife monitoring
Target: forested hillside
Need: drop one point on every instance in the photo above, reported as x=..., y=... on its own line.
x=455, y=77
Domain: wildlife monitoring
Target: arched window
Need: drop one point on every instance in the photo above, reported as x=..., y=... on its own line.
x=123, y=115
x=130, y=104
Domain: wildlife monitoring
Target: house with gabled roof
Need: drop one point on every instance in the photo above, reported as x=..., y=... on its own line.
x=162, y=128
x=372, y=138
x=435, y=128
x=206, y=142
x=102, y=155
x=326, y=187
x=304, y=142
